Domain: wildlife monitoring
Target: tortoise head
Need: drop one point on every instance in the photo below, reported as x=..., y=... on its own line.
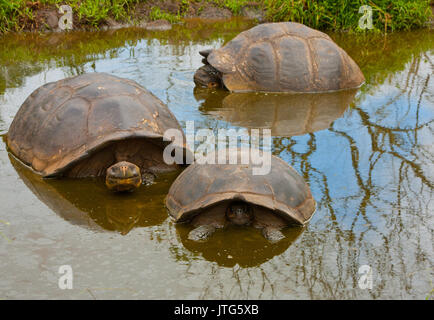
x=207, y=76
x=239, y=213
x=123, y=176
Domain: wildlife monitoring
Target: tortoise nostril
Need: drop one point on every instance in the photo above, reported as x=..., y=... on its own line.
x=124, y=170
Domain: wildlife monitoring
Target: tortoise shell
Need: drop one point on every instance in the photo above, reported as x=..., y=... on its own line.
x=66, y=121
x=200, y=186
x=89, y=206
x=285, y=57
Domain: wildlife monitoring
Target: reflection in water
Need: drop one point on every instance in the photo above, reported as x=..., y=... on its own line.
x=369, y=168
x=285, y=114
x=236, y=245
x=26, y=54
x=373, y=179
x=88, y=203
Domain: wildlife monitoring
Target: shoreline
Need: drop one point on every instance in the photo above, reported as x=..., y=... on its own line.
x=43, y=16
x=150, y=15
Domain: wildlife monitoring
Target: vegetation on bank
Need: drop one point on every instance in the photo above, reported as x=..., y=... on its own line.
x=388, y=15
x=344, y=14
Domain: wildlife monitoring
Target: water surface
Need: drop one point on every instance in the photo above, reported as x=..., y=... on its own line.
x=367, y=157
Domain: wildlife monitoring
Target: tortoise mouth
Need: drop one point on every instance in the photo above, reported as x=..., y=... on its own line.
x=123, y=184
x=123, y=176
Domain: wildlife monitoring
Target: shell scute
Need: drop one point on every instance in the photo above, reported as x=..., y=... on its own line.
x=261, y=67
x=294, y=64
x=55, y=133
x=329, y=64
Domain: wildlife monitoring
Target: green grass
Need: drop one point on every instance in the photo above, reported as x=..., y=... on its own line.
x=9, y=10
x=343, y=14
x=89, y=12
x=388, y=15
x=158, y=14
x=94, y=12
x=234, y=5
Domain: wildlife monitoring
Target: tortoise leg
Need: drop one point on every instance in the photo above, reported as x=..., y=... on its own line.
x=201, y=233
x=272, y=234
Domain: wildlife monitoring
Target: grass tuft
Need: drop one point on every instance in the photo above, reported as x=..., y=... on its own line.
x=158, y=14
x=343, y=14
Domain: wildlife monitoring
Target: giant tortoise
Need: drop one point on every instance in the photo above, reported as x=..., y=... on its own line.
x=93, y=125
x=211, y=196
x=279, y=57
x=91, y=206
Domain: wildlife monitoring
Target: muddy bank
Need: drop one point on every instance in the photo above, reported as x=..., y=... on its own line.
x=151, y=15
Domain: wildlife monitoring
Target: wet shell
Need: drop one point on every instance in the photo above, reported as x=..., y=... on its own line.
x=66, y=121
x=285, y=57
x=282, y=190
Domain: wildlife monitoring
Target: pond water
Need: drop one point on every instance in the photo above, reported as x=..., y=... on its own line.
x=367, y=156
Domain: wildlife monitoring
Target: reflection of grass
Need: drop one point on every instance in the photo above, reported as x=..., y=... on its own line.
x=430, y=294
x=379, y=56
x=9, y=240
x=22, y=55
x=27, y=54
x=1, y=233
x=4, y=222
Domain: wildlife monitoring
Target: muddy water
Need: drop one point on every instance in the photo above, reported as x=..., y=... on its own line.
x=367, y=157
